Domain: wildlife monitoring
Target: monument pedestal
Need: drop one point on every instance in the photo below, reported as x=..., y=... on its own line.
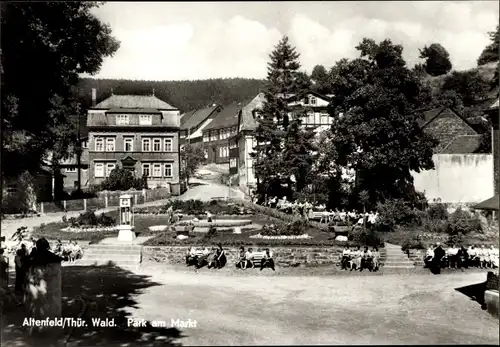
x=126, y=233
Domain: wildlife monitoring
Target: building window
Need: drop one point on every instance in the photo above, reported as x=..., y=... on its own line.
x=146, y=143
x=213, y=136
x=205, y=153
x=110, y=144
x=232, y=145
x=232, y=162
x=312, y=100
x=110, y=167
x=70, y=170
x=156, y=145
x=121, y=119
x=306, y=101
x=168, y=144
x=310, y=118
x=145, y=170
x=223, y=152
x=168, y=170
x=99, y=170
x=183, y=136
x=324, y=118
x=145, y=119
x=99, y=144
x=85, y=144
x=128, y=144
x=156, y=170
x=206, y=138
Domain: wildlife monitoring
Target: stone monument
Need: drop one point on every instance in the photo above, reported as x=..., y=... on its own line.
x=126, y=227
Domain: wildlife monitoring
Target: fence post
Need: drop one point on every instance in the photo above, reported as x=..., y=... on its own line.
x=144, y=194
x=85, y=204
x=135, y=199
x=41, y=207
x=106, y=200
x=64, y=205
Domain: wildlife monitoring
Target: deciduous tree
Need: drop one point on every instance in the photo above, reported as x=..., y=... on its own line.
x=491, y=52
x=45, y=46
x=375, y=130
x=437, y=60
x=192, y=157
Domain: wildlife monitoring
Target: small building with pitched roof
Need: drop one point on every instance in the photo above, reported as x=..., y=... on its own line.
x=193, y=123
x=136, y=132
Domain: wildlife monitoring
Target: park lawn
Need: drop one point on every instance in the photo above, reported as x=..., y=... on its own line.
x=225, y=236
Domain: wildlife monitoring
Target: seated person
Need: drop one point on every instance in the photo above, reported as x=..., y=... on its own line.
x=58, y=247
x=493, y=256
x=267, y=260
x=461, y=258
x=346, y=256
x=203, y=259
x=220, y=259
x=249, y=258
x=473, y=258
x=366, y=260
x=356, y=259
x=241, y=260
x=429, y=255
x=191, y=257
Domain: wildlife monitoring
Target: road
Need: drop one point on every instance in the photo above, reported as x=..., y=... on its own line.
x=247, y=310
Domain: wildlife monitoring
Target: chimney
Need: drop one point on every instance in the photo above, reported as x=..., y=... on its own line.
x=94, y=97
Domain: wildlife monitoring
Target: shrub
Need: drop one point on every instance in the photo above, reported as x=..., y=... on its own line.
x=369, y=238
x=212, y=232
x=90, y=219
x=437, y=211
x=122, y=179
x=412, y=244
x=296, y=228
x=463, y=222
x=393, y=213
x=436, y=225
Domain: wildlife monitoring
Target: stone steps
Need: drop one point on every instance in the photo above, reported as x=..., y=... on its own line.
x=102, y=254
x=396, y=261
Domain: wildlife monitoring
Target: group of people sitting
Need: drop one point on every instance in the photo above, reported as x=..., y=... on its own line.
x=247, y=259
x=212, y=258
x=312, y=211
x=357, y=259
x=459, y=257
x=69, y=252
x=215, y=258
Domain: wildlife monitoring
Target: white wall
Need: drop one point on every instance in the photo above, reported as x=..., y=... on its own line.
x=457, y=178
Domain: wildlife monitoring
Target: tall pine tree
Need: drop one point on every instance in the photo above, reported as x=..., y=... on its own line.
x=283, y=81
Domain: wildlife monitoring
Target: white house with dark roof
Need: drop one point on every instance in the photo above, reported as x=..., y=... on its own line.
x=137, y=132
x=312, y=107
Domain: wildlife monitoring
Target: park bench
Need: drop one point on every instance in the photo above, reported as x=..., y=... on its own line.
x=257, y=258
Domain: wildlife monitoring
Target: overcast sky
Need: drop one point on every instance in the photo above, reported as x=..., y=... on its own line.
x=199, y=40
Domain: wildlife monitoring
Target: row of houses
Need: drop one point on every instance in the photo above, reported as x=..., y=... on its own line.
x=144, y=134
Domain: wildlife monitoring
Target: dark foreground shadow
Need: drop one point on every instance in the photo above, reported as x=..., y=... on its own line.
x=196, y=184
x=93, y=292
x=475, y=292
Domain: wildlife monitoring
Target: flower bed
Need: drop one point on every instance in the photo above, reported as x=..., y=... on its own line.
x=197, y=207
x=88, y=228
x=280, y=237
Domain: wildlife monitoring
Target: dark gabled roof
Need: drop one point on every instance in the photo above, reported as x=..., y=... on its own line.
x=186, y=116
x=490, y=204
x=432, y=114
x=228, y=117
x=298, y=96
x=247, y=120
x=134, y=101
x=463, y=144
x=197, y=117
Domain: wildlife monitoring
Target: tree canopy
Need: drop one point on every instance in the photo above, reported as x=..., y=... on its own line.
x=192, y=157
x=45, y=46
x=375, y=130
x=491, y=53
x=437, y=60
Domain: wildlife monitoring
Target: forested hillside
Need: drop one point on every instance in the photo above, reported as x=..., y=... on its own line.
x=185, y=95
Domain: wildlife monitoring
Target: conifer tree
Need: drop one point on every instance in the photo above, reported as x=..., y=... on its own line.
x=273, y=122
